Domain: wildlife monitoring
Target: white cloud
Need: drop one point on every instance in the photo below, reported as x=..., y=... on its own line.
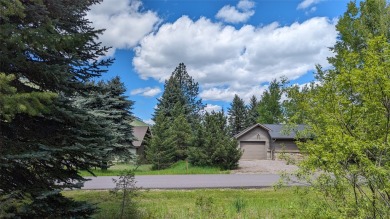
x=125, y=23
x=147, y=91
x=226, y=60
x=233, y=14
x=307, y=3
x=245, y=5
x=210, y=107
x=150, y=122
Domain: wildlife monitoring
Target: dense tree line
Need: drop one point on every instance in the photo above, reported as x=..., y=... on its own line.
x=48, y=54
x=180, y=130
x=269, y=109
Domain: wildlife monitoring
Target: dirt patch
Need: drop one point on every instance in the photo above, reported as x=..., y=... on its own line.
x=264, y=166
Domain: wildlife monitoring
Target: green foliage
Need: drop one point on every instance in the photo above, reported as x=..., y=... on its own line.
x=348, y=115
x=239, y=204
x=180, y=89
x=269, y=107
x=109, y=105
x=160, y=152
x=213, y=144
x=237, y=115
x=48, y=50
x=293, y=112
x=179, y=137
x=179, y=204
x=178, y=168
x=252, y=112
x=176, y=116
x=13, y=102
x=126, y=189
x=205, y=205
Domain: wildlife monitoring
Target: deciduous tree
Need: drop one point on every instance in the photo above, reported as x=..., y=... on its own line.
x=269, y=108
x=348, y=115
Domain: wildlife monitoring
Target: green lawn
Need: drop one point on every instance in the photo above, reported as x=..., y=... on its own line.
x=176, y=169
x=211, y=203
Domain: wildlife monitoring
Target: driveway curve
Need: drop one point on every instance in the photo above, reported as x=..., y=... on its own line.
x=192, y=181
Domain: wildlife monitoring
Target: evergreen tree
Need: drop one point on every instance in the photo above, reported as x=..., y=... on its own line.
x=252, y=112
x=180, y=88
x=13, y=102
x=161, y=153
x=179, y=135
x=50, y=50
x=108, y=103
x=270, y=109
x=178, y=107
x=237, y=115
x=214, y=146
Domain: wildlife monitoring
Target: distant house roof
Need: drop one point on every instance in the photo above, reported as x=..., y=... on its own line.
x=276, y=131
x=139, y=133
x=280, y=131
x=140, y=129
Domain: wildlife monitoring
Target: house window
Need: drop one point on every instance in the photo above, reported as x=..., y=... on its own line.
x=258, y=136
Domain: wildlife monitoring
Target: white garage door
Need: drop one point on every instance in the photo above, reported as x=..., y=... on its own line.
x=254, y=150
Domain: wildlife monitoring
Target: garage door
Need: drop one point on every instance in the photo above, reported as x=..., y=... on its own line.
x=254, y=150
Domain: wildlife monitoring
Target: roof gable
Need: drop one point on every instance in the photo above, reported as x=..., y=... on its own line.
x=243, y=132
x=139, y=133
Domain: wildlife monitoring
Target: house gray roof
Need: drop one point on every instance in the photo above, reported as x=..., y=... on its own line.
x=276, y=131
x=139, y=133
x=280, y=131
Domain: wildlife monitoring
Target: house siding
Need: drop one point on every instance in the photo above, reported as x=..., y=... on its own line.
x=257, y=134
x=288, y=147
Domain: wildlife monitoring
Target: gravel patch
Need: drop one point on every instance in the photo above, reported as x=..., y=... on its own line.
x=264, y=166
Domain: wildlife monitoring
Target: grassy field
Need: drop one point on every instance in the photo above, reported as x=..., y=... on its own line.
x=176, y=169
x=212, y=203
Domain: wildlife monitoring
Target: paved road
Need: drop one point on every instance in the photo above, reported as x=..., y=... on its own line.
x=191, y=181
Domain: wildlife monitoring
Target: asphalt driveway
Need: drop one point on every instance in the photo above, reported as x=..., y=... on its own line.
x=192, y=181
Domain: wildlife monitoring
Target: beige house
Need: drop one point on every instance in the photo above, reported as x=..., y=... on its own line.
x=267, y=141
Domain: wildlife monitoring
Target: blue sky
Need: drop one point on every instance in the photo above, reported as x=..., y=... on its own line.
x=229, y=47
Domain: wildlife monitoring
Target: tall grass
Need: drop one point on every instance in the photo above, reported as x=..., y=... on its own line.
x=211, y=203
x=179, y=168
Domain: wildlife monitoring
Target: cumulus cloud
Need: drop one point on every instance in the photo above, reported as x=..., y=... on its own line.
x=125, y=23
x=227, y=61
x=150, y=122
x=210, y=107
x=236, y=14
x=307, y=3
x=147, y=91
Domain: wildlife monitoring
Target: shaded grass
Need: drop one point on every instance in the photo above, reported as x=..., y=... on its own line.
x=209, y=203
x=178, y=168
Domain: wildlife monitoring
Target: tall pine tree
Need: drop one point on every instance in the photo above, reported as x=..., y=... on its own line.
x=180, y=88
x=179, y=104
x=49, y=48
x=252, y=112
x=237, y=115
